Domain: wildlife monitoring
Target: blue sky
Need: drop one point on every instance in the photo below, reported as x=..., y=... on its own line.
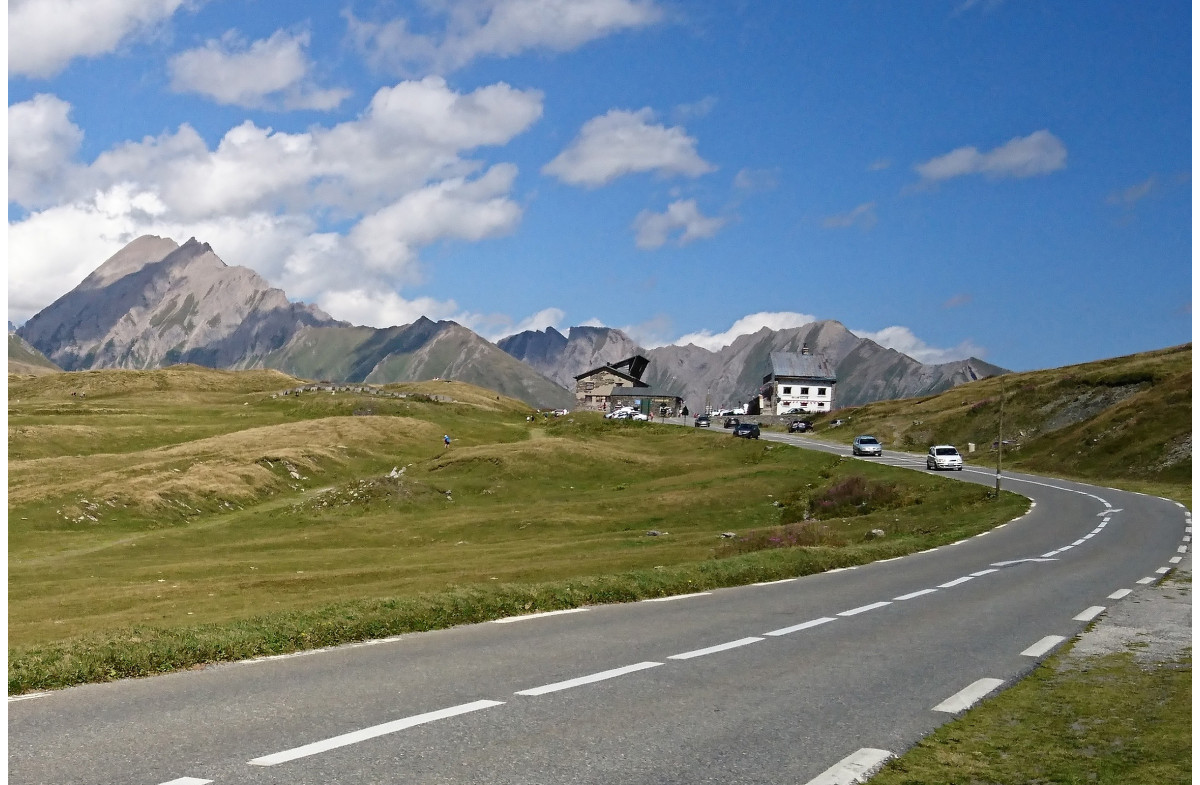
x=1009, y=180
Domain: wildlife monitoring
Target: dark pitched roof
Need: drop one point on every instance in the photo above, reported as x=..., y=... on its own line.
x=809, y=366
x=633, y=379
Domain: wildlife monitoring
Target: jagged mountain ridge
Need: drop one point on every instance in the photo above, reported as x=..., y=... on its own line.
x=155, y=303
x=866, y=371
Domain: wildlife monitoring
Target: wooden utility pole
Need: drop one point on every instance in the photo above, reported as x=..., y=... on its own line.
x=1000, y=438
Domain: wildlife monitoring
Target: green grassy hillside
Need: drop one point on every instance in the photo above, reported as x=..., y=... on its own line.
x=158, y=519
x=1126, y=421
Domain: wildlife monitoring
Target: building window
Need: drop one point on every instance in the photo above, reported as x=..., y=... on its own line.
x=589, y=386
x=804, y=391
x=787, y=390
x=821, y=404
x=820, y=391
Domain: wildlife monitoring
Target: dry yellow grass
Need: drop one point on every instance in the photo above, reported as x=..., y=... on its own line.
x=230, y=466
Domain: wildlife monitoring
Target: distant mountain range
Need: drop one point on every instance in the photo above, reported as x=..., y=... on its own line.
x=157, y=303
x=865, y=370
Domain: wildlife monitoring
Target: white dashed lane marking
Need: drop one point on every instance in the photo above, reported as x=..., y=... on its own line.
x=865, y=608
x=531, y=616
x=355, y=737
x=1043, y=646
x=590, y=679
x=968, y=696
x=678, y=597
x=1087, y=614
x=1120, y=594
x=807, y=625
x=854, y=768
x=714, y=649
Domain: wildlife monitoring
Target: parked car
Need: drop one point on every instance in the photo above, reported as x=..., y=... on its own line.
x=620, y=414
x=837, y=422
x=799, y=426
x=866, y=445
x=639, y=416
x=746, y=430
x=702, y=421
x=731, y=422
x=794, y=410
x=943, y=456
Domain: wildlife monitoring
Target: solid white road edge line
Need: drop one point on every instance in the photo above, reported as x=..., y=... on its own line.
x=714, y=649
x=566, y=685
x=187, y=781
x=1120, y=594
x=802, y=626
x=854, y=768
x=30, y=696
x=968, y=696
x=865, y=608
x=772, y=583
x=1087, y=614
x=1043, y=646
x=678, y=597
x=542, y=615
x=370, y=733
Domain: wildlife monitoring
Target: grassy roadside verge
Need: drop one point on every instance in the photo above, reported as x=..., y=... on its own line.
x=1120, y=715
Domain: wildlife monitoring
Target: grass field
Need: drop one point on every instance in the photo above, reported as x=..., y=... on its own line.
x=164, y=518
x=1125, y=422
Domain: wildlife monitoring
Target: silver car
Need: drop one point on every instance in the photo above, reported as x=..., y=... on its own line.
x=866, y=445
x=943, y=456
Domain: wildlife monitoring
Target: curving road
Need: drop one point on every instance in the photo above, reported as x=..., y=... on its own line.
x=811, y=680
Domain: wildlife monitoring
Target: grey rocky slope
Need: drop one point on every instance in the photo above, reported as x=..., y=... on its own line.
x=865, y=370
x=155, y=303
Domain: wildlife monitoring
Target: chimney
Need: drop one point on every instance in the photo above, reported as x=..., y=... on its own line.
x=804, y=349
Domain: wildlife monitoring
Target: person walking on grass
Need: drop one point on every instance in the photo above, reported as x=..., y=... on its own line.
x=446, y=440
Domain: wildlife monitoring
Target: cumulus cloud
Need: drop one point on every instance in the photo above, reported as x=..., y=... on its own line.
x=747, y=325
x=682, y=219
x=45, y=35
x=623, y=142
x=496, y=326
x=902, y=340
x=495, y=28
x=42, y=142
x=862, y=216
x=756, y=180
x=1029, y=156
x=272, y=72
x=395, y=177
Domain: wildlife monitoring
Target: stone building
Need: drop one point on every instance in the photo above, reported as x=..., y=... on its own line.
x=601, y=388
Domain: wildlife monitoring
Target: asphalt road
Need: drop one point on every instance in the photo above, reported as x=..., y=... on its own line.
x=811, y=680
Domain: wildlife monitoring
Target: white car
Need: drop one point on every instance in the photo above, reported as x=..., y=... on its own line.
x=943, y=456
x=639, y=416
x=620, y=414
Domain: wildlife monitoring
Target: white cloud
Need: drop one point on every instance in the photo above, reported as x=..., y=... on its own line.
x=622, y=142
x=496, y=326
x=270, y=72
x=862, y=216
x=1039, y=153
x=395, y=177
x=382, y=308
x=45, y=35
x=682, y=218
x=902, y=340
x=747, y=325
x=496, y=28
x=756, y=180
x=42, y=143
x=1134, y=193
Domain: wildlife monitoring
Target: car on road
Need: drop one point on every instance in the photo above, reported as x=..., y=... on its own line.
x=746, y=430
x=731, y=422
x=702, y=421
x=639, y=416
x=866, y=445
x=943, y=456
x=799, y=426
x=794, y=410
